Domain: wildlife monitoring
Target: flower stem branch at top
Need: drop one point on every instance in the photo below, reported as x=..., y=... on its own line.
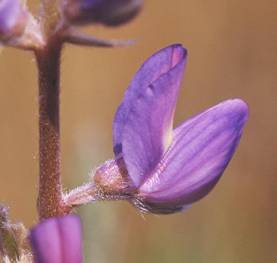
x=76, y=37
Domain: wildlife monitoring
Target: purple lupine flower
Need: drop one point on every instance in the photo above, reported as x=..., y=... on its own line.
x=166, y=170
x=107, y=12
x=57, y=240
x=13, y=19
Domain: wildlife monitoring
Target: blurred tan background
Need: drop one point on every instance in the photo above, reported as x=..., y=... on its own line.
x=232, y=53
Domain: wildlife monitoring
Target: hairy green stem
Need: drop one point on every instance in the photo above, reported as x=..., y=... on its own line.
x=50, y=190
x=50, y=201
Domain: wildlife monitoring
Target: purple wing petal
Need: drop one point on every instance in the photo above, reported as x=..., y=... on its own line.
x=57, y=240
x=200, y=151
x=143, y=122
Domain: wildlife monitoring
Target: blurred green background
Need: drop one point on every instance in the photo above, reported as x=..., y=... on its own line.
x=232, y=53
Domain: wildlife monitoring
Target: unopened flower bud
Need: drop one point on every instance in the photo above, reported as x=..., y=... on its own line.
x=13, y=19
x=57, y=240
x=107, y=12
